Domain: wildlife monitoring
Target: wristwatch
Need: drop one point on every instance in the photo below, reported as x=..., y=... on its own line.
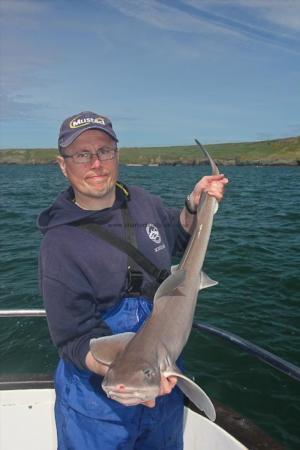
x=187, y=204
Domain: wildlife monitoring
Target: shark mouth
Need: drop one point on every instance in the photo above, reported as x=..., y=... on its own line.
x=130, y=396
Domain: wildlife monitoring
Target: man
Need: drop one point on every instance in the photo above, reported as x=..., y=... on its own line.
x=89, y=290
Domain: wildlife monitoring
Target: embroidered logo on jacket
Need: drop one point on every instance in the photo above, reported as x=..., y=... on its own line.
x=153, y=233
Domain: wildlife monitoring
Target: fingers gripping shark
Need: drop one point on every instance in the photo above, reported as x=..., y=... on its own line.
x=137, y=361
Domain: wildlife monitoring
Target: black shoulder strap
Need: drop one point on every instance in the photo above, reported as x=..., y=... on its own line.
x=158, y=274
x=134, y=274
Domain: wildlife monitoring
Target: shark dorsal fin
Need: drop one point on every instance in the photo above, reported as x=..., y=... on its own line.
x=170, y=284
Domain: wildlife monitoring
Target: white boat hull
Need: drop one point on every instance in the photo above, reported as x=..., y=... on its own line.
x=27, y=423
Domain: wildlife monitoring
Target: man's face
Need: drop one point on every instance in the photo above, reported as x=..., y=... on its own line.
x=96, y=179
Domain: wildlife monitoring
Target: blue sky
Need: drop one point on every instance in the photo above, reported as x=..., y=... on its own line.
x=163, y=71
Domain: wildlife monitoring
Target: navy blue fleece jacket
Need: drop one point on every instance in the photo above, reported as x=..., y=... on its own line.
x=81, y=276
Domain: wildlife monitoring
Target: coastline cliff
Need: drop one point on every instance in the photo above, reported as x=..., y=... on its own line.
x=262, y=153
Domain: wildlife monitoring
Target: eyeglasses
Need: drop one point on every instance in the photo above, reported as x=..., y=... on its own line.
x=85, y=156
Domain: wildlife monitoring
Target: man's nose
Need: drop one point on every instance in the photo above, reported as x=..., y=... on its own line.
x=95, y=162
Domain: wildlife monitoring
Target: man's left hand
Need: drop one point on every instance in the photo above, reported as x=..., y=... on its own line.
x=166, y=386
x=212, y=184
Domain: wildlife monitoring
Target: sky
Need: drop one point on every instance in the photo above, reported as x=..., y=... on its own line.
x=165, y=72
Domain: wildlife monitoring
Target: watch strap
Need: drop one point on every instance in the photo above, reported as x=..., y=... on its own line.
x=187, y=204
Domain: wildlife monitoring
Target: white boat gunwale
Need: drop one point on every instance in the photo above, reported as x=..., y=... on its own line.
x=242, y=430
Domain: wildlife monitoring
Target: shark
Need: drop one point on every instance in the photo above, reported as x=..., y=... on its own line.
x=136, y=361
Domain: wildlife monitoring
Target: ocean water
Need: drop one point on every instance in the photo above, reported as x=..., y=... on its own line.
x=254, y=253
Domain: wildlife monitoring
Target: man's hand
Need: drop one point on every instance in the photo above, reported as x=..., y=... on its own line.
x=95, y=366
x=166, y=386
x=212, y=184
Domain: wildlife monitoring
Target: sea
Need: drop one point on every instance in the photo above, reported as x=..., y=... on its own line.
x=254, y=254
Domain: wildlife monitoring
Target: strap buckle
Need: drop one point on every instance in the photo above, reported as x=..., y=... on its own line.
x=135, y=281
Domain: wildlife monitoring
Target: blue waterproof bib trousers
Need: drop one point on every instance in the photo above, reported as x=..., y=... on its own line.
x=87, y=420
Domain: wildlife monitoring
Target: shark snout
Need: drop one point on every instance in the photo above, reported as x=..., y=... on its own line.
x=132, y=387
x=120, y=388
x=129, y=394
x=126, y=396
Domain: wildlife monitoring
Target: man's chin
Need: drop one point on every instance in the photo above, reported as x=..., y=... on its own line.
x=100, y=191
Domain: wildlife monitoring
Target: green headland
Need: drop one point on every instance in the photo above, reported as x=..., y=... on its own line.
x=273, y=152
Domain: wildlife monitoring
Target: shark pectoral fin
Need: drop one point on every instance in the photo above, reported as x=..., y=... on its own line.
x=193, y=392
x=170, y=283
x=205, y=281
x=106, y=348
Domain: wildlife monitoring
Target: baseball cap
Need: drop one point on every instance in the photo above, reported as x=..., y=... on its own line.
x=73, y=126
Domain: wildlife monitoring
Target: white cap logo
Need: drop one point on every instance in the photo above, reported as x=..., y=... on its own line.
x=153, y=233
x=78, y=122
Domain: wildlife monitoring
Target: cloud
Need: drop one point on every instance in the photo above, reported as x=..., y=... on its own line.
x=285, y=13
x=252, y=13
x=159, y=15
x=245, y=19
x=20, y=107
x=294, y=129
x=23, y=7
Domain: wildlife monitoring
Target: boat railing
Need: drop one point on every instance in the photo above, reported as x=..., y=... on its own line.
x=22, y=313
x=267, y=357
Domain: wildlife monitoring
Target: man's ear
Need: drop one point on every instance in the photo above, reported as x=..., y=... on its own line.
x=62, y=165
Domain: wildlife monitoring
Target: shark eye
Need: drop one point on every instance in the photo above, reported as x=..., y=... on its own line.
x=149, y=373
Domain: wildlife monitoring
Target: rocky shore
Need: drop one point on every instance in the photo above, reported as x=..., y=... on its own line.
x=278, y=152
